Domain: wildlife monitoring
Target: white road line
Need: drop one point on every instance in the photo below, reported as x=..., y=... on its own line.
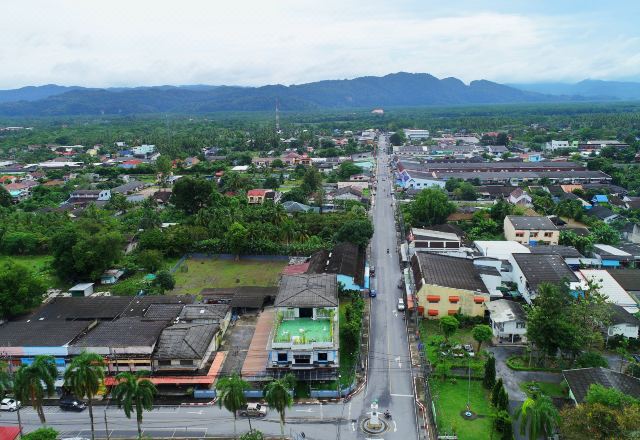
x=321, y=412
x=195, y=412
x=349, y=410
x=353, y=426
x=308, y=410
x=401, y=395
x=395, y=427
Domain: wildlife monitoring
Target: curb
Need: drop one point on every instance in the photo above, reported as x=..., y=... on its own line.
x=199, y=403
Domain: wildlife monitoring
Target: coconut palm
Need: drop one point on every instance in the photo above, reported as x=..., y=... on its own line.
x=230, y=392
x=36, y=381
x=5, y=379
x=134, y=392
x=277, y=395
x=84, y=377
x=537, y=416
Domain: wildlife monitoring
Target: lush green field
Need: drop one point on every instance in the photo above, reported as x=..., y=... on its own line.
x=431, y=336
x=551, y=389
x=212, y=273
x=38, y=264
x=451, y=400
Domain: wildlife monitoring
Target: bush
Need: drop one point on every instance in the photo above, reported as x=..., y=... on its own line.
x=41, y=434
x=519, y=364
x=591, y=359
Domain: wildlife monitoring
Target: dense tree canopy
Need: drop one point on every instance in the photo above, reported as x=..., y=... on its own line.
x=20, y=290
x=430, y=207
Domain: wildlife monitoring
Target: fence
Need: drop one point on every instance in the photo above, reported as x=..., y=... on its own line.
x=333, y=394
x=202, y=256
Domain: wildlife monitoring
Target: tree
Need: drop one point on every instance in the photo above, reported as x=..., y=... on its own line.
x=495, y=393
x=84, y=376
x=489, y=379
x=36, y=381
x=5, y=198
x=295, y=194
x=482, y=333
x=603, y=233
x=271, y=182
x=134, y=393
x=277, y=163
x=610, y=397
x=358, y=231
x=164, y=281
x=583, y=243
x=20, y=290
x=149, y=259
x=431, y=207
x=237, y=236
x=449, y=325
x=599, y=422
x=163, y=167
x=397, y=138
x=502, y=139
x=191, y=194
x=537, y=416
x=465, y=191
x=500, y=210
x=348, y=169
x=118, y=202
x=41, y=434
x=312, y=180
x=502, y=424
x=503, y=400
x=277, y=395
x=230, y=392
x=254, y=434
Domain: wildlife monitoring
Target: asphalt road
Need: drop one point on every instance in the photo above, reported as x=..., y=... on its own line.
x=389, y=376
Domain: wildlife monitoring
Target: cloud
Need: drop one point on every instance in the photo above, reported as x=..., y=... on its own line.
x=245, y=42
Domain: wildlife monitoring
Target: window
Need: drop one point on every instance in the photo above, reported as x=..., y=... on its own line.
x=533, y=234
x=164, y=363
x=186, y=362
x=521, y=324
x=282, y=357
x=548, y=234
x=301, y=358
x=519, y=234
x=323, y=357
x=433, y=298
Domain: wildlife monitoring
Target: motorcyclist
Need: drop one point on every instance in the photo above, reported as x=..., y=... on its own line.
x=387, y=414
x=387, y=250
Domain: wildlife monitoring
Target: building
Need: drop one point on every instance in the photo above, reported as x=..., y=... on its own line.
x=111, y=276
x=529, y=271
x=608, y=286
x=556, y=145
x=82, y=289
x=143, y=150
x=448, y=285
x=185, y=347
x=128, y=188
x=519, y=197
x=530, y=230
x=622, y=323
x=346, y=260
x=580, y=379
x=431, y=240
x=305, y=331
x=612, y=256
x=629, y=280
x=259, y=196
x=86, y=196
x=416, y=134
x=508, y=320
x=602, y=213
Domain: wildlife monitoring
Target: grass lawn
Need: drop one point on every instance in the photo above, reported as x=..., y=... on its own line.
x=212, y=273
x=39, y=265
x=347, y=359
x=551, y=389
x=451, y=399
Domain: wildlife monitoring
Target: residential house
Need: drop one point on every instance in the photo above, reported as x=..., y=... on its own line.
x=612, y=256
x=111, y=276
x=86, y=196
x=259, y=196
x=529, y=271
x=210, y=314
x=580, y=380
x=508, y=320
x=629, y=280
x=128, y=188
x=185, y=347
x=519, y=197
x=292, y=207
x=622, y=323
x=305, y=331
x=143, y=150
x=599, y=198
x=346, y=193
x=190, y=162
x=602, y=213
x=608, y=286
x=346, y=260
x=431, y=240
x=448, y=285
x=416, y=134
x=530, y=230
x=556, y=145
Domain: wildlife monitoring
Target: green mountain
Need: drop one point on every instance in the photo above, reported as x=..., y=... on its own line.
x=398, y=89
x=589, y=88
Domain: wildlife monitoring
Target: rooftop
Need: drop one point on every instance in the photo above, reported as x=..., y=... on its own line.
x=539, y=269
x=581, y=379
x=344, y=259
x=501, y=250
x=252, y=297
x=534, y=223
x=124, y=332
x=185, y=341
x=40, y=333
x=629, y=279
x=563, y=251
x=610, y=287
x=503, y=310
x=140, y=305
x=304, y=330
x=620, y=315
x=213, y=313
x=82, y=308
x=446, y=271
x=318, y=290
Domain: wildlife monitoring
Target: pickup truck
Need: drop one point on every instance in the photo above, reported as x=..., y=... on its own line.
x=253, y=410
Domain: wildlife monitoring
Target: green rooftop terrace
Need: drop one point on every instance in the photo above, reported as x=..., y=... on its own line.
x=304, y=331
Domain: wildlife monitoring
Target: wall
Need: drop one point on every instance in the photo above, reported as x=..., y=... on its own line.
x=627, y=330
x=466, y=304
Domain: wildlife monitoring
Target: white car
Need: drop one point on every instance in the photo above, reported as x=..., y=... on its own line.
x=401, y=304
x=9, y=405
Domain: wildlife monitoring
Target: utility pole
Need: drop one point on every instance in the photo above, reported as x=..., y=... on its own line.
x=277, y=117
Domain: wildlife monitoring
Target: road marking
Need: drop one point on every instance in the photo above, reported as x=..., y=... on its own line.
x=401, y=395
x=321, y=413
x=395, y=313
x=353, y=426
x=195, y=412
x=398, y=361
x=308, y=410
x=349, y=410
x=395, y=427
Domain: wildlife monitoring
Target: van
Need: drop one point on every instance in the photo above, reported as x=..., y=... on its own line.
x=253, y=410
x=401, y=304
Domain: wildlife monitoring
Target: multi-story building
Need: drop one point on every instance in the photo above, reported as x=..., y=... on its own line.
x=305, y=332
x=530, y=230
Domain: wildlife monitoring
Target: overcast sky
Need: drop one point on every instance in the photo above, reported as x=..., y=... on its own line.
x=257, y=42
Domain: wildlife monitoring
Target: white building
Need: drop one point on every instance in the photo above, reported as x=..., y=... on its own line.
x=555, y=145
x=609, y=286
x=623, y=323
x=413, y=134
x=143, y=150
x=508, y=320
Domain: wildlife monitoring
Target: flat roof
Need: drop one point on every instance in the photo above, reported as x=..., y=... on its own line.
x=501, y=250
x=531, y=223
x=503, y=310
x=304, y=329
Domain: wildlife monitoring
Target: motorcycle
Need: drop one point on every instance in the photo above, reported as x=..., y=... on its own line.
x=387, y=415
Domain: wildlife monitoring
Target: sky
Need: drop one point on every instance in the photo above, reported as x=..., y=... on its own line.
x=257, y=42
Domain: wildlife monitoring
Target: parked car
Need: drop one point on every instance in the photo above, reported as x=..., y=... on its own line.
x=469, y=349
x=373, y=293
x=401, y=304
x=9, y=404
x=253, y=410
x=70, y=403
x=401, y=284
x=372, y=271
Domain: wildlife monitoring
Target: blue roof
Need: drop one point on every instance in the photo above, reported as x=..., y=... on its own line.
x=601, y=198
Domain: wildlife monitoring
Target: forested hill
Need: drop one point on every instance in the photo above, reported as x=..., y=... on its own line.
x=399, y=89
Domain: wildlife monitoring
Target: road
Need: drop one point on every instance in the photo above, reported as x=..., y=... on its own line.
x=389, y=379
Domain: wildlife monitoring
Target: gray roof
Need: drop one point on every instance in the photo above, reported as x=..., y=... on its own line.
x=601, y=212
x=252, y=297
x=619, y=315
x=40, y=333
x=563, y=251
x=82, y=308
x=128, y=187
x=531, y=223
x=123, y=332
x=185, y=341
x=213, y=313
x=320, y=290
x=447, y=271
x=140, y=305
x=163, y=312
x=629, y=279
x=498, y=166
x=581, y=379
x=539, y=268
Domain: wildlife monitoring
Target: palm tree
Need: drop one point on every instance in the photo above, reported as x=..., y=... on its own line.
x=5, y=379
x=134, y=392
x=84, y=376
x=276, y=393
x=538, y=415
x=230, y=392
x=34, y=382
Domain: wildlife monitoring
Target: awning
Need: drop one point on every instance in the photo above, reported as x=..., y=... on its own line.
x=433, y=298
x=610, y=263
x=169, y=380
x=452, y=312
x=454, y=299
x=410, y=302
x=478, y=299
x=433, y=312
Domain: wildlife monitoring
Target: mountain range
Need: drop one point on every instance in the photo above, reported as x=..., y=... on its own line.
x=397, y=89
